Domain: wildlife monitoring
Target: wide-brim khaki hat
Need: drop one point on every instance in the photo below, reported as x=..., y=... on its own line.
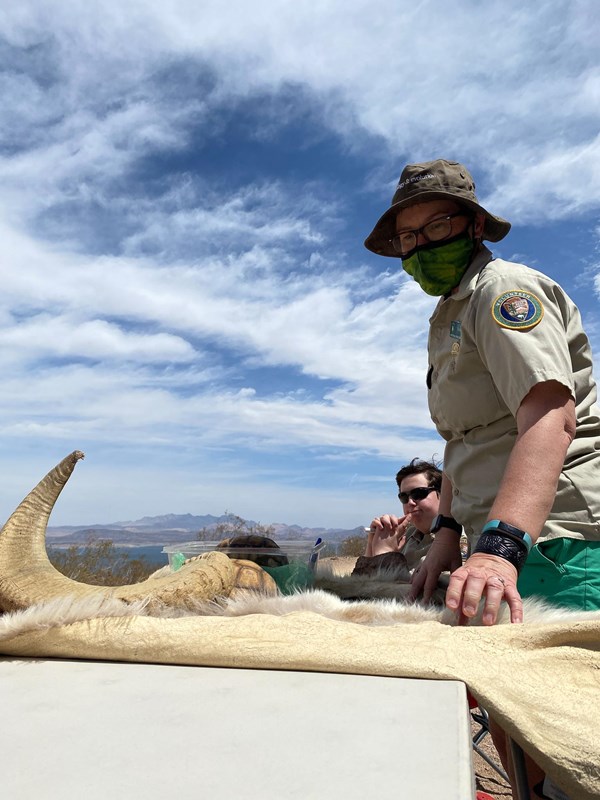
x=432, y=180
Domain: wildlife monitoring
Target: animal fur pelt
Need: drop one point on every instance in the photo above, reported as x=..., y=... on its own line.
x=382, y=612
x=67, y=610
x=393, y=584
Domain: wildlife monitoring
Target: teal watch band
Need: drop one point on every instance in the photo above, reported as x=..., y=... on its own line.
x=508, y=530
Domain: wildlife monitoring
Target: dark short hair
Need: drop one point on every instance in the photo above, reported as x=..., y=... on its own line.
x=417, y=467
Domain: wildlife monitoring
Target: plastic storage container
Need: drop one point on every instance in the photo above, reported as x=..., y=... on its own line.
x=291, y=565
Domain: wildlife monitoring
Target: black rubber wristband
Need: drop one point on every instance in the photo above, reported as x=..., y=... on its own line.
x=495, y=544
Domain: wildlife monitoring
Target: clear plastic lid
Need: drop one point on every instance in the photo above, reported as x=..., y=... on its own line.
x=289, y=547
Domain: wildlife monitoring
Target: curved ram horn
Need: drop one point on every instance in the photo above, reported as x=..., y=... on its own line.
x=27, y=576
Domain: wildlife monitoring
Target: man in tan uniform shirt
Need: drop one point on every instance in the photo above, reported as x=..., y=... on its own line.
x=480, y=372
x=511, y=391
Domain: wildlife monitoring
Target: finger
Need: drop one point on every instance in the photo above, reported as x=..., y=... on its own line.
x=382, y=534
x=454, y=592
x=402, y=526
x=417, y=579
x=461, y=619
x=514, y=601
x=400, y=540
x=389, y=522
x=465, y=590
x=473, y=592
x=383, y=523
x=430, y=585
x=494, y=592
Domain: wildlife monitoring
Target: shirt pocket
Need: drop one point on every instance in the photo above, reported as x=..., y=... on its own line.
x=467, y=395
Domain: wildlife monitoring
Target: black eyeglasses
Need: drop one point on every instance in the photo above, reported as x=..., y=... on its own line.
x=420, y=493
x=435, y=231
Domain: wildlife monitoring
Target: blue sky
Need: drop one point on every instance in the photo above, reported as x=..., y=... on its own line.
x=184, y=192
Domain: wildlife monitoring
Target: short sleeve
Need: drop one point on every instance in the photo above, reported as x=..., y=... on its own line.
x=521, y=331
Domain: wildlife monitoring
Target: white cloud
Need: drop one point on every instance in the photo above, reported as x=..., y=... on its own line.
x=565, y=182
x=43, y=335
x=126, y=315
x=475, y=82
x=255, y=216
x=372, y=348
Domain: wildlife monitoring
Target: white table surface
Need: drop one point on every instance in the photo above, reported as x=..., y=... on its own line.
x=77, y=729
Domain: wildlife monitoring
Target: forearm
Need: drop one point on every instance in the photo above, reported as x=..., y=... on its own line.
x=528, y=488
x=546, y=425
x=446, y=496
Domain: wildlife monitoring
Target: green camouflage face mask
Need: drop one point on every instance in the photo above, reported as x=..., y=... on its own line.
x=439, y=267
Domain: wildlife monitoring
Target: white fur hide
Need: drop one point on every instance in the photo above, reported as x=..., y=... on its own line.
x=64, y=611
x=382, y=612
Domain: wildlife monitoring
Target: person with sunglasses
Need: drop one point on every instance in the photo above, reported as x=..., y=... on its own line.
x=511, y=390
x=394, y=542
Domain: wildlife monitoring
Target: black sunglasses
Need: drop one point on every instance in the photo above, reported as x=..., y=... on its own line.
x=420, y=493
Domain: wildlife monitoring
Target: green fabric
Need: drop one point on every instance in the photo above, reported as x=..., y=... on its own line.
x=564, y=571
x=438, y=268
x=291, y=577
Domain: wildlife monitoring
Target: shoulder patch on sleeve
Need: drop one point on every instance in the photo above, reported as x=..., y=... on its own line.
x=517, y=309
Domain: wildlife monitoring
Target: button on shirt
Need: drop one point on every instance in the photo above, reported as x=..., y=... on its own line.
x=480, y=372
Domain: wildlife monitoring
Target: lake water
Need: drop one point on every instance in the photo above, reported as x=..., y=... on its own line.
x=152, y=553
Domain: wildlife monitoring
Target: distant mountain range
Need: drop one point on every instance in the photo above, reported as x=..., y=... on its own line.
x=177, y=528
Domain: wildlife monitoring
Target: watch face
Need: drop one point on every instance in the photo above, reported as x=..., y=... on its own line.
x=445, y=522
x=437, y=524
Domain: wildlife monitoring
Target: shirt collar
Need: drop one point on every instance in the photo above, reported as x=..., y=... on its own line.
x=471, y=276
